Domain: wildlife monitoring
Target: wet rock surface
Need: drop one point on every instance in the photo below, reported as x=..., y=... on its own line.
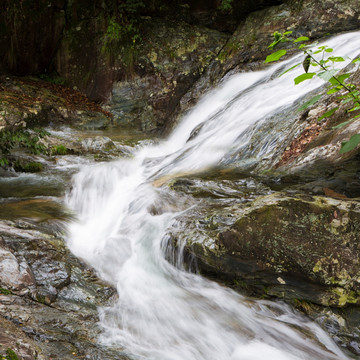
x=48, y=296
x=287, y=245
x=308, y=239
x=11, y=337
x=173, y=56
x=49, y=299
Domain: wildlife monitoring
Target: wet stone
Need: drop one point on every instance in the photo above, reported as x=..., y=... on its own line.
x=14, y=275
x=57, y=315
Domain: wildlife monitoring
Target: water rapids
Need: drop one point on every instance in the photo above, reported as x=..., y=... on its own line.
x=164, y=312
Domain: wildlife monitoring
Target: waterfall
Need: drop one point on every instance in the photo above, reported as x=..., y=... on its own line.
x=162, y=311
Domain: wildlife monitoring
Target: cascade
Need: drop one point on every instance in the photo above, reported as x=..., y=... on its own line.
x=164, y=312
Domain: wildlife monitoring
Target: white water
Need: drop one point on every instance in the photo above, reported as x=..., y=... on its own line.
x=165, y=313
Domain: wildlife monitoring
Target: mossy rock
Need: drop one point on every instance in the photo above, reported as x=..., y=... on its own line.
x=28, y=167
x=285, y=246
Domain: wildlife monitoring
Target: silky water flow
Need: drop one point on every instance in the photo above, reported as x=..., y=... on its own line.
x=164, y=312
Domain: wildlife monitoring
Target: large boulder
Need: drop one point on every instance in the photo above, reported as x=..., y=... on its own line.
x=48, y=298
x=287, y=246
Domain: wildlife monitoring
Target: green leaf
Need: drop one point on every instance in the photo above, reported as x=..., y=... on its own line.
x=333, y=81
x=293, y=67
x=287, y=32
x=307, y=104
x=275, y=56
x=306, y=63
x=303, y=77
x=342, y=124
x=336, y=58
x=350, y=144
x=339, y=79
x=335, y=90
x=327, y=114
x=3, y=161
x=273, y=44
x=278, y=38
x=277, y=35
x=357, y=107
x=329, y=50
x=301, y=38
x=357, y=60
x=328, y=74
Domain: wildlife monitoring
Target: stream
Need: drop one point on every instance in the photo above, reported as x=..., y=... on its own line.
x=164, y=312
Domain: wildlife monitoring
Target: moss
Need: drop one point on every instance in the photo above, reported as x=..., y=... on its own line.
x=11, y=355
x=53, y=79
x=59, y=150
x=41, y=299
x=345, y=297
x=303, y=305
x=230, y=48
x=30, y=167
x=240, y=284
x=5, y=291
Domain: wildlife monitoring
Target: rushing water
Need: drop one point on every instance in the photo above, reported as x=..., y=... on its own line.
x=164, y=312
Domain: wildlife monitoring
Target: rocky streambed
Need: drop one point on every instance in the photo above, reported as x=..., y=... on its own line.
x=287, y=239
x=286, y=228
x=48, y=297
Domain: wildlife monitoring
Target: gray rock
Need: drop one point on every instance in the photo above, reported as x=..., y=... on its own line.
x=99, y=143
x=308, y=243
x=15, y=276
x=57, y=315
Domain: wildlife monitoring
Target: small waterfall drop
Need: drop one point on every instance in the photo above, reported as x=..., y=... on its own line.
x=163, y=312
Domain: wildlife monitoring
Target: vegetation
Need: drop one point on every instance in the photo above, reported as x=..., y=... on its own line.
x=20, y=138
x=123, y=31
x=59, y=150
x=226, y=6
x=326, y=70
x=29, y=167
x=5, y=291
x=53, y=78
x=10, y=355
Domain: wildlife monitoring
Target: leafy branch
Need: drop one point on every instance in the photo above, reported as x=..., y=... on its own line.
x=324, y=69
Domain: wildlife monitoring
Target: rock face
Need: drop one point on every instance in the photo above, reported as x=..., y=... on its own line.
x=313, y=150
x=48, y=298
x=299, y=248
x=178, y=41
x=173, y=57
x=14, y=276
x=312, y=238
x=281, y=242
x=13, y=338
